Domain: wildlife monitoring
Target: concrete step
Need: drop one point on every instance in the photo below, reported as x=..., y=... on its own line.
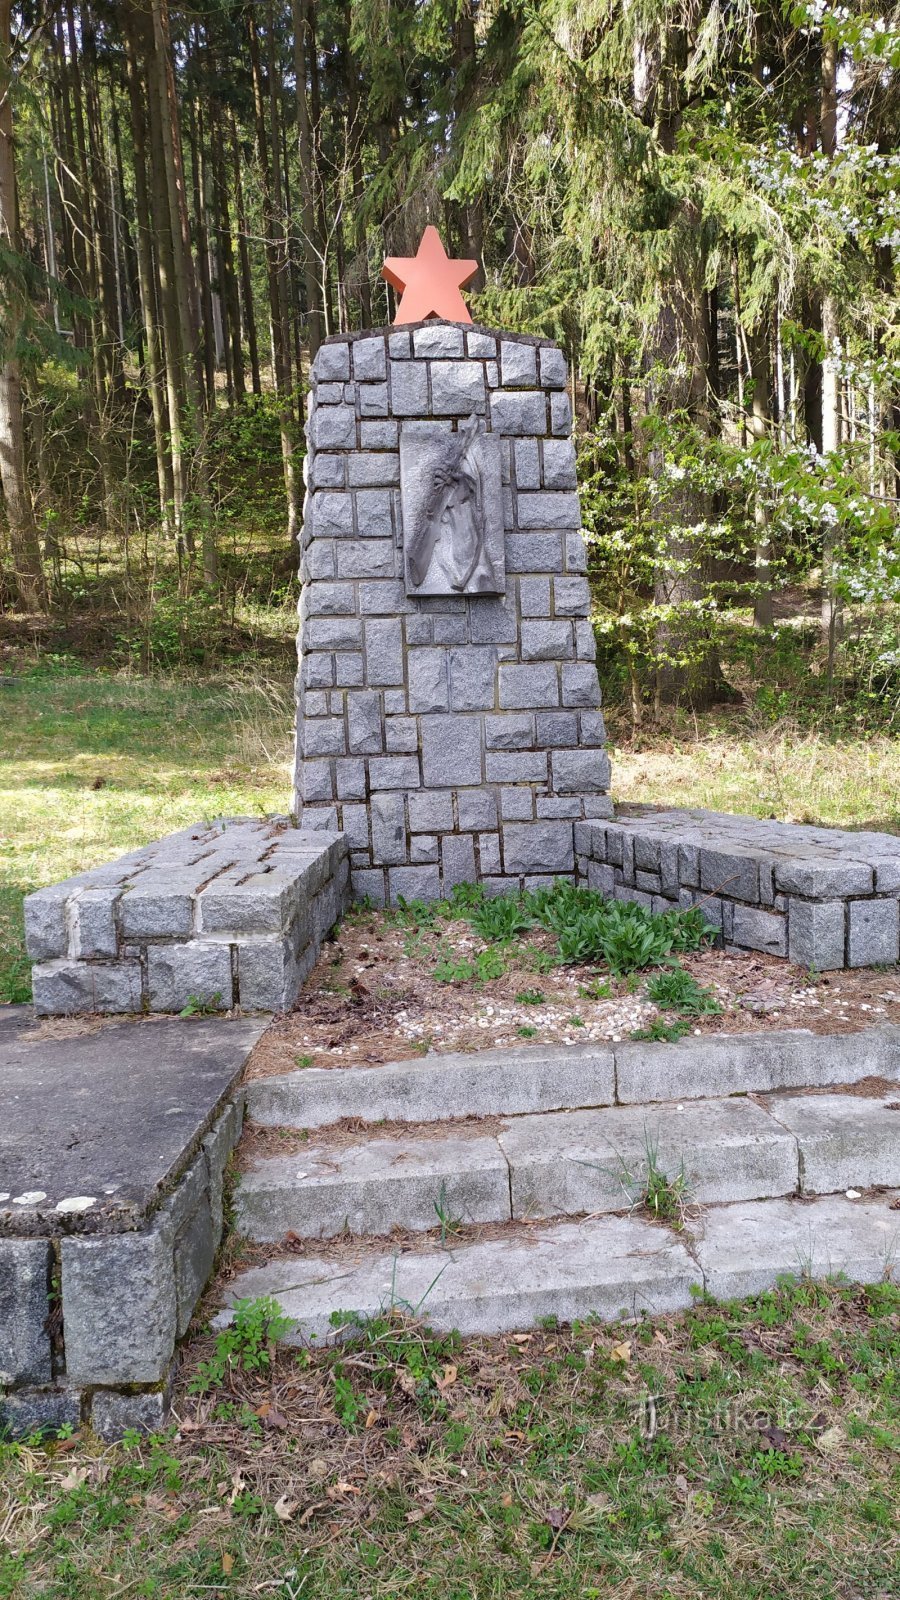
x=845, y=1141
x=606, y=1267
x=372, y=1187
x=597, y=1161
x=540, y=1078
x=570, y=1163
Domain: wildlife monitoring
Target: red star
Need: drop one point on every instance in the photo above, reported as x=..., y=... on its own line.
x=430, y=282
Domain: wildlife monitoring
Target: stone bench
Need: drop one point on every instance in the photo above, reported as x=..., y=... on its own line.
x=824, y=898
x=225, y=915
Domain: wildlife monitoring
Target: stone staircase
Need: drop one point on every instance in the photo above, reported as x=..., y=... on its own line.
x=526, y=1176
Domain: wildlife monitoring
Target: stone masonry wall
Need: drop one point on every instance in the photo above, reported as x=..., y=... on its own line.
x=824, y=898
x=459, y=738
x=229, y=914
x=89, y=1324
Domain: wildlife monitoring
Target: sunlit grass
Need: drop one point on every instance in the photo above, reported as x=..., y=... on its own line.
x=769, y=772
x=91, y=766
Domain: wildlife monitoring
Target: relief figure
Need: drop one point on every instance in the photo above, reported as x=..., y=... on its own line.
x=447, y=550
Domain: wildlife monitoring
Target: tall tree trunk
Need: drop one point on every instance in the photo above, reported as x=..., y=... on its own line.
x=207, y=336
x=760, y=427
x=355, y=132
x=688, y=663
x=95, y=393
x=831, y=386
x=25, y=548
x=73, y=233
x=226, y=258
x=144, y=229
x=244, y=259
x=274, y=241
x=473, y=212
x=132, y=274
x=146, y=55
x=101, y=222
x=312, y=263
x=184, y=284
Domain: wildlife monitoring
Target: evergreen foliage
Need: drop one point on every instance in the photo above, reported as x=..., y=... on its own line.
x=698, y=200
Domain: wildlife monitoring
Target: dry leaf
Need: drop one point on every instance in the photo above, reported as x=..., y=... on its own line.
x=522, y=1338
x=343, y=1487
x=660, y=1337
x=418, y=1515
x=227, y=1564
x=284, y=1508
x=556, y=1518
x=620, y=1352
x=371, y=1419
x=238, y=1485
x=74, y=1478
x=506, y=1500
x=63, y=1445
x=449, y=1377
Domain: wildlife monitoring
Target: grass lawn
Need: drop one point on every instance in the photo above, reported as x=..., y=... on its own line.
x=746, y=1452
x=778, y=770
x=93, y=765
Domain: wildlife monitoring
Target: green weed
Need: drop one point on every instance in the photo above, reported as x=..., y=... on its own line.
x=197, y=1006
x=247, y=1345
x=489, y=964
x=622, y=933
x=659, y=1031
x=664, y=1197
x=453, y=969
x=676, y=990
x=597, y=989
x=501, y=919
x=449, y=1224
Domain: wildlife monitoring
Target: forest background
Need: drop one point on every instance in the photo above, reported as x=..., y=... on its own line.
x=699, y=199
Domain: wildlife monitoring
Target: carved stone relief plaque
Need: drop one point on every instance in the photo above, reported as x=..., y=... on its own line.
x=452, y=500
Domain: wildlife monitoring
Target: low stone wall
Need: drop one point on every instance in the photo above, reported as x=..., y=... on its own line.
x=227, y=915
x=825, y=898
x=89, y=1322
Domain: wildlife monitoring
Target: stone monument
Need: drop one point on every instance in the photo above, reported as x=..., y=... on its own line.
x=448, y=703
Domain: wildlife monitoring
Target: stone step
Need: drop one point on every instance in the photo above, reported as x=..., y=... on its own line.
x=372, y=1187
x=604, y=1267
x=597, y=1161
x=571, y=1163
x=844, y=1141
x=537, y=1078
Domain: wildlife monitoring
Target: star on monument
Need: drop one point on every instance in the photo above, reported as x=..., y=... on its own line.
x=429, y=282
